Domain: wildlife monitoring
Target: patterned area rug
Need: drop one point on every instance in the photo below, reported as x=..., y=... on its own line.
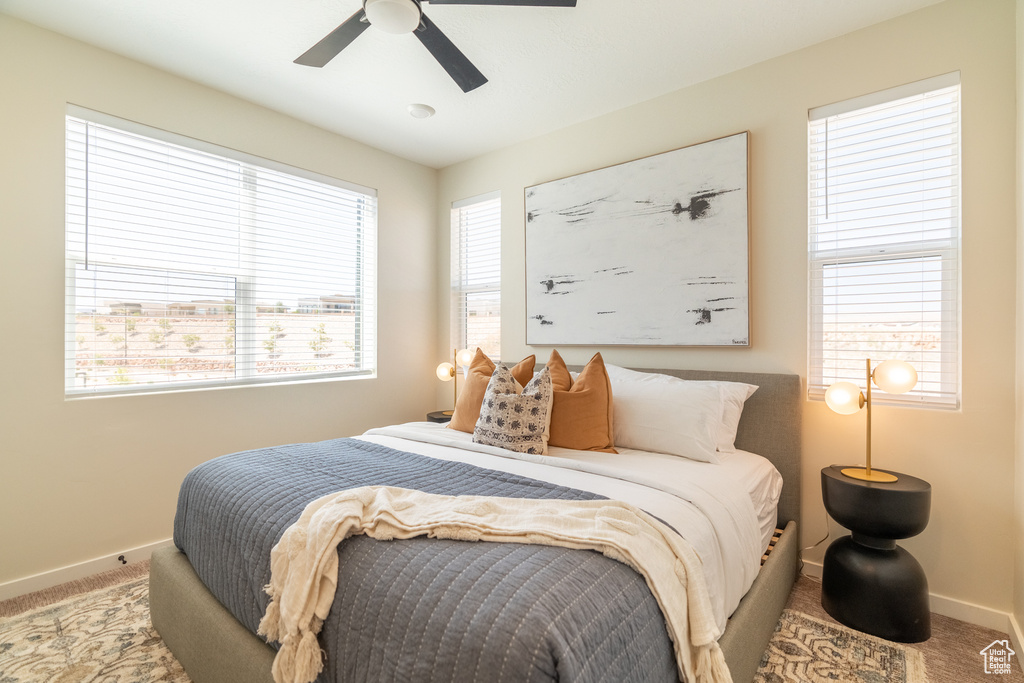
x=105, y=636
x=101, y=636
x=808, y=649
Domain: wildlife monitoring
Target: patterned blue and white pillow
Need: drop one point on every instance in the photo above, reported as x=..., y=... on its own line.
x=513, y=417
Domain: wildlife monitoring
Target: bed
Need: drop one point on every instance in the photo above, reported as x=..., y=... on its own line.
x=216, y=644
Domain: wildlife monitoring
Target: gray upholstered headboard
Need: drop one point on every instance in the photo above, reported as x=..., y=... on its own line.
x=770, y=425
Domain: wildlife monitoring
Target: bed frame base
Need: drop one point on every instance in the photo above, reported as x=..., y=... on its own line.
x=753, y=623
x=214, y=648
x=203, y=635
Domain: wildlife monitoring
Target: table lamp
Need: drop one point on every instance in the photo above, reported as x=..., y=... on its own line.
x=447, y=371
x=846, y=398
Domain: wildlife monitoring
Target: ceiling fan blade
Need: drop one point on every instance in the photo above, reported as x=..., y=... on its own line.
x=462, y=71
x=523, y=3
x=335, y=41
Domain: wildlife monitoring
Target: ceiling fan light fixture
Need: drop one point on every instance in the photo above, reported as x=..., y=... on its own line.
x=393, y=16
x=406, y=16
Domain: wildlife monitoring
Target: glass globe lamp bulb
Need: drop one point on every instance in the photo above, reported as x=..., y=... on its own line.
x=844, y=398
x=445, y=372
x=895, y=376
x=464, y=358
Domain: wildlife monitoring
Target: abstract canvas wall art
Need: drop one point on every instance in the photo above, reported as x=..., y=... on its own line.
x=651, y=252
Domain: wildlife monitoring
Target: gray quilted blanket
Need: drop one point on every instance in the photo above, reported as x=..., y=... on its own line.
x=423, y=609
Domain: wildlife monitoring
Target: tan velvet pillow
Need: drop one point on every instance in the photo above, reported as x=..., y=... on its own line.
x=467, y=408
x=581, y=412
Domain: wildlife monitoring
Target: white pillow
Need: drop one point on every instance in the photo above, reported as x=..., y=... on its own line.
x=666, y=414
x=734, y=395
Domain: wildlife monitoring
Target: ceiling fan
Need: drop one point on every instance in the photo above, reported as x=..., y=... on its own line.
x=406, y=16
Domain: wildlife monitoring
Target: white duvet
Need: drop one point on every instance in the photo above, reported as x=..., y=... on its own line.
x=726, y=511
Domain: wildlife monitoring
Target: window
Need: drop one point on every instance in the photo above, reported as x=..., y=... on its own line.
x=476, y=274
x=884, y=191
x=189, y=265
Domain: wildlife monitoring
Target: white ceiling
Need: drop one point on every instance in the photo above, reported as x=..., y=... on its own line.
x=548, y=67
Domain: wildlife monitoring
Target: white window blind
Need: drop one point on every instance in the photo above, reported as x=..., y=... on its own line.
x=884, y=191
x=190, y=265
x=476, y=274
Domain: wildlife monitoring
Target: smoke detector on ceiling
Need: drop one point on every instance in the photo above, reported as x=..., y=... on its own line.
x=421, y=111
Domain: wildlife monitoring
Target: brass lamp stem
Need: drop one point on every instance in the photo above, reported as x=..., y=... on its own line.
x=866, y=473
x=867, y=466
x=455, y=385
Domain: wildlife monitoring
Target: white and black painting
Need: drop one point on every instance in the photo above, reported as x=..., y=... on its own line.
x=649, y=252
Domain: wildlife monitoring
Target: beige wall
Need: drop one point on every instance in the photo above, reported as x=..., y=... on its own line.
x=967, y=455
x=86, y=478
x=1018, y=574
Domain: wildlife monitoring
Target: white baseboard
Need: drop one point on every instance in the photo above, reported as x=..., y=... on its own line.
x=38, y=582
x=971, y=613
x=812, y=569
x=1016, y=635
x=951, y=607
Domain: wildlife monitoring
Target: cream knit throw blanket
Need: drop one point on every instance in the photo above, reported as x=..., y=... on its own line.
x=304, y=564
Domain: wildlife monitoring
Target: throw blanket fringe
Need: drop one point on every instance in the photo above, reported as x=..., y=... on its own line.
x=304, y=563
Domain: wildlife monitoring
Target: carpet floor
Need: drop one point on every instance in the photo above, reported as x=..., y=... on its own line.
x=951, y=655
x=98, y=630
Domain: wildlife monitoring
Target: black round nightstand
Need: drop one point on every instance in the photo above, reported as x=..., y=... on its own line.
x=440, y=416
x=868, y=582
